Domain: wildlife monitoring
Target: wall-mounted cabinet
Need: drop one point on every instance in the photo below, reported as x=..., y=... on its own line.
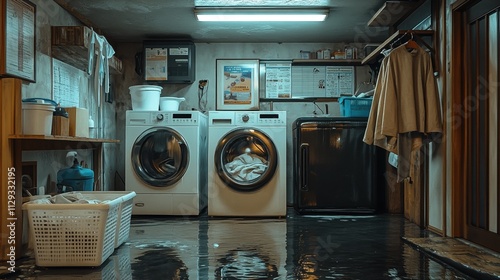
x=169, y=62
x=71, y=44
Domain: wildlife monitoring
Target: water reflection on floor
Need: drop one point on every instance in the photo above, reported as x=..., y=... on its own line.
x=295, y=247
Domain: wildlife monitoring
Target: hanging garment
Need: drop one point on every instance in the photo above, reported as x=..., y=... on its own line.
x=99, y=46
x=406, y=111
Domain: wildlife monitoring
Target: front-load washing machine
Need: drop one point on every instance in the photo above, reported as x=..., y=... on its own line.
x=247, y=163
x=166, y=155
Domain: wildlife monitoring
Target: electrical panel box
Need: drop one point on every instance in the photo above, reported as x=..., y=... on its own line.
x=169, y=62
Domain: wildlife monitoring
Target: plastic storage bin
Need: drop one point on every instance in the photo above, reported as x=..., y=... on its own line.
x=355, y=107
x=78, y=234
x=37, y=118
x=145, y=97
x=170, y=103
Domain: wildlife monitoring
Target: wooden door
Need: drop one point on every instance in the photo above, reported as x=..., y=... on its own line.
x=476, y=105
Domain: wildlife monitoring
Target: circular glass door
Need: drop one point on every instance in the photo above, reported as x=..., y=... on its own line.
x=246, y=159
x=160, y=156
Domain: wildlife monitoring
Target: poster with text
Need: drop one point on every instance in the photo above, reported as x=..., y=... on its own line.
x=237, y=84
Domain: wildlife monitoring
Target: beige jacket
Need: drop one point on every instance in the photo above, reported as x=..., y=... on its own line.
x=405, y=104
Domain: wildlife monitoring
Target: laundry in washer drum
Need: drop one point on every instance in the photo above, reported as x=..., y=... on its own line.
x=247, y=166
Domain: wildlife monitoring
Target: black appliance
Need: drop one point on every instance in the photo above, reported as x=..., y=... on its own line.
x=334, y=170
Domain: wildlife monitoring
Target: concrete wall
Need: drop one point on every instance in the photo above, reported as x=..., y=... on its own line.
x=112, y=123
x=49, y=14
x=206, y=55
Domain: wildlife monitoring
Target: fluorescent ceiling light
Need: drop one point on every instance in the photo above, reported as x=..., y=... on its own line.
x=260, y=14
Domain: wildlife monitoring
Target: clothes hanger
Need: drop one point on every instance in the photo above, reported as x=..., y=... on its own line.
x=411, y=44
x=393, y=45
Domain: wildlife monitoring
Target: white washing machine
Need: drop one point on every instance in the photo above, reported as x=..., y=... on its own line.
x=247, y=163
x=166, y=155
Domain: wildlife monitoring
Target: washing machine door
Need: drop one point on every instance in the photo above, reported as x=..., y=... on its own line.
x=160, y=156
x=246, y=159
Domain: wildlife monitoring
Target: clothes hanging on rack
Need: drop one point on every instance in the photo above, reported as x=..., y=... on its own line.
x=406, y=110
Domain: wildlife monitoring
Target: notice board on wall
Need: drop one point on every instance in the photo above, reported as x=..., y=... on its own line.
x=281, y=79
x=65, y=83
x=322, y=81
x=17, y=39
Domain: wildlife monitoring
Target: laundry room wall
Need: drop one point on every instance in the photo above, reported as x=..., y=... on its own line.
x=48, y=14
x=206, y=55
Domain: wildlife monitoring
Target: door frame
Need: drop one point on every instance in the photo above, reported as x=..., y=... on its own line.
x=459, y=130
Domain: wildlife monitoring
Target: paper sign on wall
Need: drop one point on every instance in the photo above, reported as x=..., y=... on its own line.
x=339, y=81
x=278, y=80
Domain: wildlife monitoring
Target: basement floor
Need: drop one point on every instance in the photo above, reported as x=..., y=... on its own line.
x=380, y=246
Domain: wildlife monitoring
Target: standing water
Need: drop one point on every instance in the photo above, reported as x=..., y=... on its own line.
x=293, y=247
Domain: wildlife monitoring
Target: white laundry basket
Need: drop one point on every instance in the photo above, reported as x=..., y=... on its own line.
x=124, y=214
x=77, y=234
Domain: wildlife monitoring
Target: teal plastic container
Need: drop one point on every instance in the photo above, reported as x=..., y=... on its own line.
x=355, y=107
x=75, y=178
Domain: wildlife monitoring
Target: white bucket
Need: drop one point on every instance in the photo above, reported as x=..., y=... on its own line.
x=37, y=118
x=170, y=103
x=145, y=97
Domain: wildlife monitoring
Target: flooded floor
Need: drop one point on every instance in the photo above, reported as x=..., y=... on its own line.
x=295, y=247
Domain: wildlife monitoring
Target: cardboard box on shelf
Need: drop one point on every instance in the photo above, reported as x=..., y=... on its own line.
x=78, y=121
x=60, y=126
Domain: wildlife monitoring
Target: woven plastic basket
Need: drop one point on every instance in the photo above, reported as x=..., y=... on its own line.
x=75, y=234
x=124, y=215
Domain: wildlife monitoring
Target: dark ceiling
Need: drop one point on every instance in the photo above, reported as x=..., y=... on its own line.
x=134, y=21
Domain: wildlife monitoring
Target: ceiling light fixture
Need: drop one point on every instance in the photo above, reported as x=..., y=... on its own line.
x=260, y=14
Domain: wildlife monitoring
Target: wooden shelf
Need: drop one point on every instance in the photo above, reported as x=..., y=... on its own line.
x=392, y=12
x=374, y=54
x=340, y=62
x=305, y=99
x=63, y=138
x=42, y=142
x=70, y=44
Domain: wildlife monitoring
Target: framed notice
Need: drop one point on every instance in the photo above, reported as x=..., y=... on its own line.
x=17, y=39
x=237, y=84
